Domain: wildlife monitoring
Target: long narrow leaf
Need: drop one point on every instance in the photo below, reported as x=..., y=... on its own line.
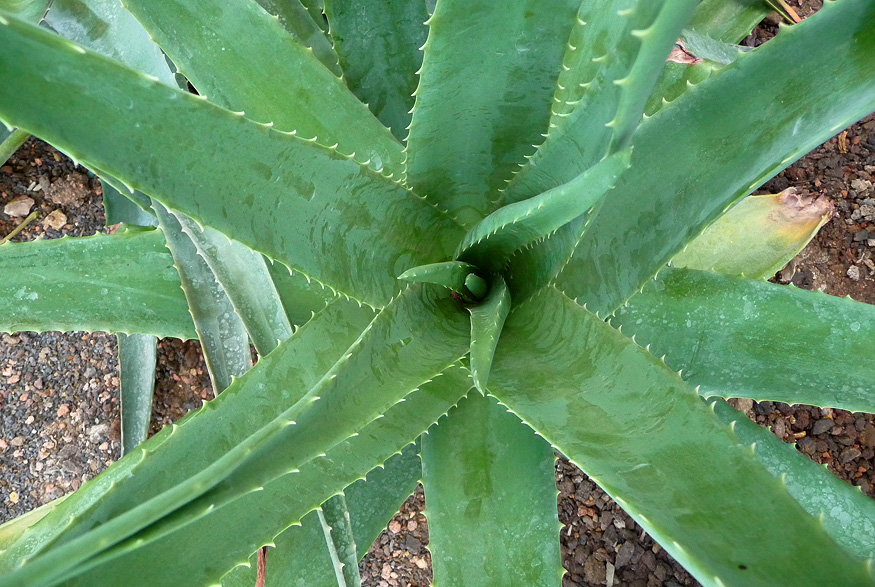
x=490, y=485
x=735, y=337
x=272, y=77
x=374, y=227
x=647, y=438
x=120, y=283
x=715, y=123
x=498, y=62
x=137, y=356
x=297, y=20
x=379, y=44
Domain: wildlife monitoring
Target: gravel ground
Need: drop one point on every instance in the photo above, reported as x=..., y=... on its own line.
x=59, y=392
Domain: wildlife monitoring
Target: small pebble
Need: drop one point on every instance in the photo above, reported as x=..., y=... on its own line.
x=19, y=207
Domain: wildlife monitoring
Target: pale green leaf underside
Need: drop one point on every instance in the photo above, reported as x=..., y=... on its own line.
x=488, y=72
x=121, y=283
x=848, y=513
x=137, y=354
x=647, y=438
x=491, y=489
x=337, y=530
x=220, y=330
x=735, y=337
x=371, y=501
x=244, y=277
x=291, y=199
x=716, y=123
x=106, y=28
x=272, y=77
x=379, y=45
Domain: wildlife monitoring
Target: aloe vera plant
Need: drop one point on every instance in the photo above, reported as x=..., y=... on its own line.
x=474, y=274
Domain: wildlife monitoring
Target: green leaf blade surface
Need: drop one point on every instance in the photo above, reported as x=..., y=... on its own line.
x=137, y=354
x=379, y=45
x=498, y=64
x=310, y=199
x=638, y=431
x=272, y=77
x=491, y=489
x=734, y=337
x=120, y=283
x=715, y=123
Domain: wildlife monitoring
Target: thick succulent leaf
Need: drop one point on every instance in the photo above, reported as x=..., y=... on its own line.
x=10, y=144
x=371, y=502
x=337, y=528
x=316, y=8
x=29, y=10
x=120, y=208
x=617, y=52
x=454, y=275
x=847, y=513
x=647, y=438
x=758, y=236
x=271, y=77
x=488, y=72
x=735, y=337
x=379, y=45
x=296, y=19
x=301, y=296
x=310, y=199
x=491, y=487
x=244, y=277
x=716, y=123
x=120, y=283
x=220, y=330
x=487, y=319
x=710, y=49
x=137, y=354
x=260, y=515
x=13, y=529
x=495, y=238
x=106, y=28
x=413, y=339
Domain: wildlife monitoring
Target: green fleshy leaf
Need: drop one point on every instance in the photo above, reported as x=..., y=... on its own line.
x=244, y=277
x=618, y=57
x=220, y=330
x=715, y=123
x=10, y=143
x=498, y=63
x=296, y=19
x=106, y=28
x=650, y=442
x=618, y=61
x=271, y=77
x=495, y=238
x=846, y=512
x=709, y=49
x=379, y=42
x=13, y=529
x=310, y=190
x=120, y=208
x=735, y=337
x=120, y=283
x=414, y=338
x=301, y=297
x=487, y=319
x=491, y=487
x=758, y=236
x=453, y=275
x=137, y=354
x=29, y=10
x=282, y=502
x=372, y=502
x=337, y=528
